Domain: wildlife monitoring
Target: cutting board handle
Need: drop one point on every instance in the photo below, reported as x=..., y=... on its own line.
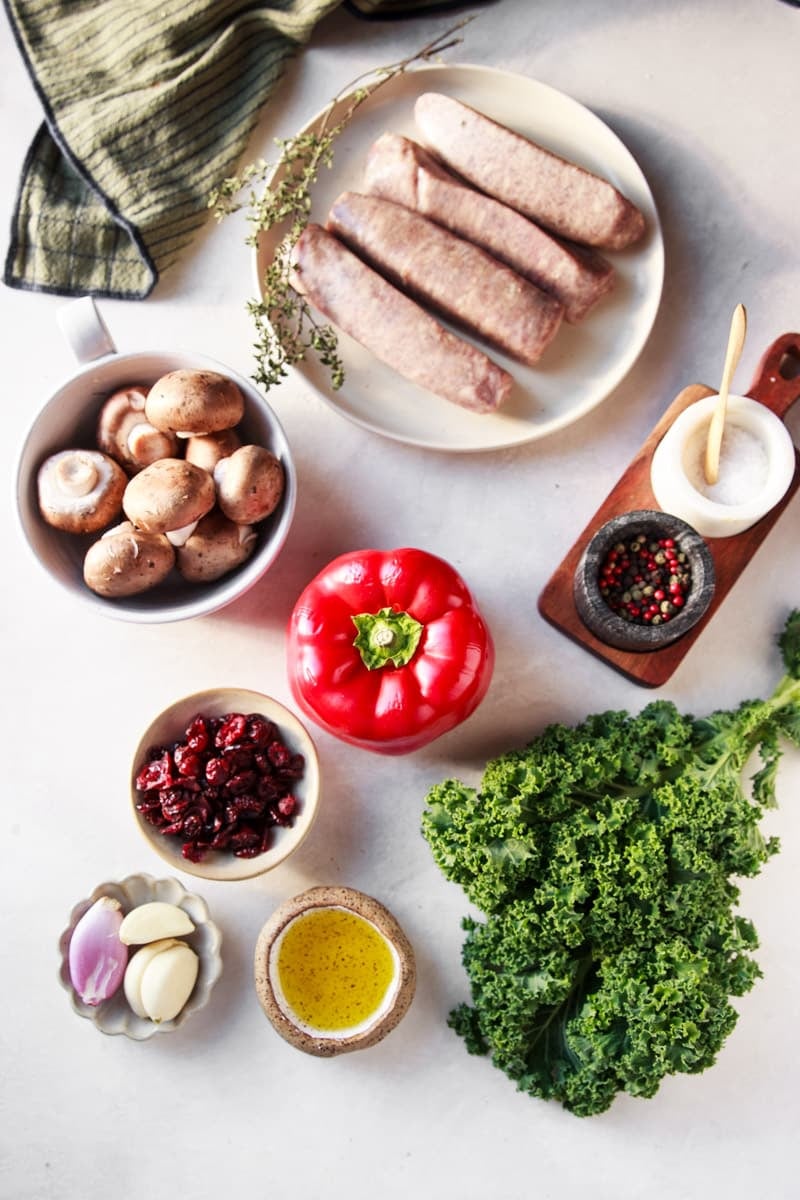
x=777, y=379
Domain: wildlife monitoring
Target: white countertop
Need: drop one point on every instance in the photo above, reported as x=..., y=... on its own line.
x=705, y=97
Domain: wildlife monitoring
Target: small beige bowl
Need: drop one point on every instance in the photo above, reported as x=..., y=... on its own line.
x=68, y=420
x=395, y=1004
x=115, y=1016
x=169, y=726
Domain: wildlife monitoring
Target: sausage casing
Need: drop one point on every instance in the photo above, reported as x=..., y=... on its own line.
x=401, y=170
x=562, y=196
x=457, y=278
x=392, y=326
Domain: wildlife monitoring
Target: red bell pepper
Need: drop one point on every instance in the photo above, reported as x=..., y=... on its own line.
x=387, y=650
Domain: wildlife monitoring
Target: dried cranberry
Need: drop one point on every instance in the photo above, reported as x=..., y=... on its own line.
x=150, y=802
x=287, y=805
x=295, y=767
x=268, y=788
x=176, y=805
x=153, y=816
x=260, y=731
x=231, y=731
x=225, y=787
x=239, y=758
x=192, y=825
x=245, y=839
x=187, y=762
x=278, y=754
x=217, y=771
x=197, y=736
x=174, y=828
x=243, y=781
x=155, y=774
x=245, y=806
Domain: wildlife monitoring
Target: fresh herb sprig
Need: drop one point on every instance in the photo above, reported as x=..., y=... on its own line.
x=285, y=327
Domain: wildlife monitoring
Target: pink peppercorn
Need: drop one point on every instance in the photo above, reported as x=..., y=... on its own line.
x=646, y=580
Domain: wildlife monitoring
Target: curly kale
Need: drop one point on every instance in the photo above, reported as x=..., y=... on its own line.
x=602, y=856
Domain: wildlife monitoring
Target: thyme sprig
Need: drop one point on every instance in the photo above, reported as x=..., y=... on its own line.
x=286, y=330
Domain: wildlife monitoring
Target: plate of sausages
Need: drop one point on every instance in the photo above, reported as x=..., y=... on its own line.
x=489, y=254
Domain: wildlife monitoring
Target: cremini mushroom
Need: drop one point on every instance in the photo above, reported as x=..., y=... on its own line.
x=188, y=402
x=249, y=483
x=126, y=561
x=124, y=432
x=216, y=546
x=169, y=497
x=80, y=491
x=205, y=450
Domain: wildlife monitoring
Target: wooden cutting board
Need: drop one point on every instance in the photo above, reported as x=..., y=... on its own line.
x=777, y=385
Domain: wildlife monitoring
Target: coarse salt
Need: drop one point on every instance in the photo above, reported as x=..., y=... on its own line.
x=743, y=466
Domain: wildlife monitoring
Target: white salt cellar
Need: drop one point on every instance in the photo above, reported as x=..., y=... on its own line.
x=757, y=464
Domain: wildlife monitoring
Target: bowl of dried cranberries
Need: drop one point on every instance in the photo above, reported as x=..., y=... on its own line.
x=225, y=784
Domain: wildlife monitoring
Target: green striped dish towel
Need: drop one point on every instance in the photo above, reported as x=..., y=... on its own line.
x=148, y=106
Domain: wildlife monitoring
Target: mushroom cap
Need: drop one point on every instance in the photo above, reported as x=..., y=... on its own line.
x=205, y=450
x=216, y=546
x=169, y=494
x=124, y=432
x=186, y=402
x=80, y=491
x=126, y=561
x=250, y=484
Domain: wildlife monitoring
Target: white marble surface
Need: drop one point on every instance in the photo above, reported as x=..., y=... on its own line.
x=705, y=95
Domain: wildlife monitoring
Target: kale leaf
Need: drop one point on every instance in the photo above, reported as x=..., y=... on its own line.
x=602, y=856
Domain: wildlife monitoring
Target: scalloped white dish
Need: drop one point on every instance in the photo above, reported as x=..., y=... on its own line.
x=115, y=1016
x=585, y=362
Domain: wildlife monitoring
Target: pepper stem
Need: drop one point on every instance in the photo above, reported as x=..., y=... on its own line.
x=386, y=637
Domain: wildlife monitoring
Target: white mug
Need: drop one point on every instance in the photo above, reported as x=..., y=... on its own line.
x=68, y=420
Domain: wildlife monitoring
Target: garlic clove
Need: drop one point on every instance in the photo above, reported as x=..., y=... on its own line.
x=168, y=981
x=97, y=957
x=136, y=969
x=157, y=919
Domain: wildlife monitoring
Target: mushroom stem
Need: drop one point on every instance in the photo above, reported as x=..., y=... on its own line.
x=77, y=475
x=146, y=443
x=179, y=537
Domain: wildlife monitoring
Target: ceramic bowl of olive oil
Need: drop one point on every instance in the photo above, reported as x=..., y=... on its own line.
x=334, y=972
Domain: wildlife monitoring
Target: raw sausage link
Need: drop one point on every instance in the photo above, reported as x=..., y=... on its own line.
x=401, y=170
x=562, y=196
x=393, y=327
x=458, y=279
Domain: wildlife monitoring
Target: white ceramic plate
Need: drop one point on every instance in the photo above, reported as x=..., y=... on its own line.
x=585, y=362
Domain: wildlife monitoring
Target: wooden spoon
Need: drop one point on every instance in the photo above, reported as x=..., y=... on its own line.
x=735, y=342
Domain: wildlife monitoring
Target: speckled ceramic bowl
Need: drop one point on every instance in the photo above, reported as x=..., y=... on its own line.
x=169, y=726
x=390, y=1008
x=115, y=1016
x=603, y=622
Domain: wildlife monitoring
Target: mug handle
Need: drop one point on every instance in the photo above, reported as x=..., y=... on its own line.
x=85, y=330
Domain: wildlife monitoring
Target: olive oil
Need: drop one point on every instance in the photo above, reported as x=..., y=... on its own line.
x=335, y=969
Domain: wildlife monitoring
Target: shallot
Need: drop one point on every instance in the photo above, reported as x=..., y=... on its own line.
x=97, y=957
